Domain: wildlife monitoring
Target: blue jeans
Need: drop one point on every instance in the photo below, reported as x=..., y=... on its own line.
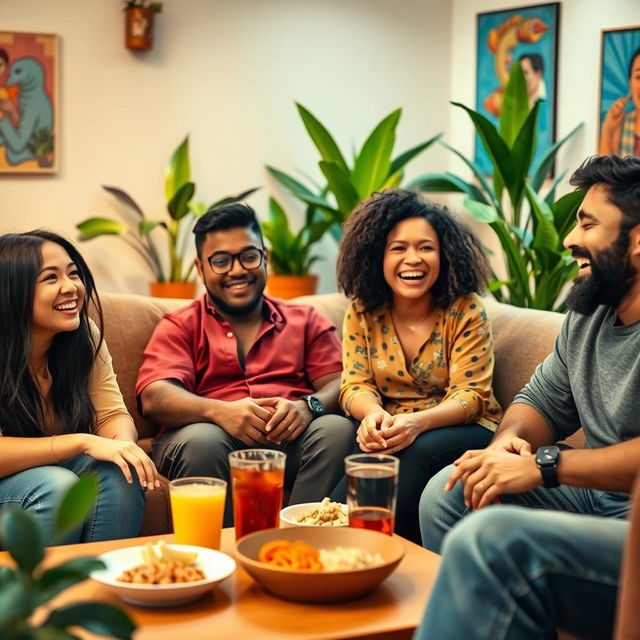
x=513, y=573
x=440, y=510
x=117, y=512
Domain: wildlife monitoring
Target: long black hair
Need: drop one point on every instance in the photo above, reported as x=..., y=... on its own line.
x=71, y=355
x=463, y=265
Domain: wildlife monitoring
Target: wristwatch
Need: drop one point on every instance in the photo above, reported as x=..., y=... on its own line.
x=547, y=461
x=315, y=406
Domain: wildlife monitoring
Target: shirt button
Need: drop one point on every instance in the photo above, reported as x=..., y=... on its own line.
x=229, y=334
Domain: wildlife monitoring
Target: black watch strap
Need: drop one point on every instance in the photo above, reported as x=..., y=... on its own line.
x=547, y=461
x=315, y=406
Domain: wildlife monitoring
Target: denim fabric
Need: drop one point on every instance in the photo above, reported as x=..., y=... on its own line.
x=315, y=460
x=513, y=573
x=117, y=512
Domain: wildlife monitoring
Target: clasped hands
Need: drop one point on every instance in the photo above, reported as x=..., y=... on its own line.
x=507, y=465
x=265, y=420
x=380, y=432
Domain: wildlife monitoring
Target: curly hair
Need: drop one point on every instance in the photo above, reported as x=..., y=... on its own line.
x=463, y=265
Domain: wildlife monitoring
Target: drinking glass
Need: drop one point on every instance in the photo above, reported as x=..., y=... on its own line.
x=197, y=509
x=372, y=484
x=257, y=479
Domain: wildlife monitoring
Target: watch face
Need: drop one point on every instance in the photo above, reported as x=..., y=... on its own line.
x=315, y=405
x=547, y=456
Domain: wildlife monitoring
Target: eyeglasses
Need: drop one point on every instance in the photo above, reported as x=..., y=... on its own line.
x=222, y=262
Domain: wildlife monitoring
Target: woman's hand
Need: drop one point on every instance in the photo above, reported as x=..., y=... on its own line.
x=405, y=428
x=124, y=453
x=369, y=435
x=615, y=115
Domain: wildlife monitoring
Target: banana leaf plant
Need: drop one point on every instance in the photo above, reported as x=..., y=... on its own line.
x=290, y=253
x=345, y=185
x=529, y=226
x=182, y=212
x=28, y=586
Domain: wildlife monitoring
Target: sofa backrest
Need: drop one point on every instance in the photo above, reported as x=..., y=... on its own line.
x=522, y=338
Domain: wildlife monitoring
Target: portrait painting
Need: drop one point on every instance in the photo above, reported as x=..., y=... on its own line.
x=28, y=102
x=619, y=113
x=527, y=36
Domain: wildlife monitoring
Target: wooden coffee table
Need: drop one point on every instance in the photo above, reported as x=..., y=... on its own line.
x=238, y=608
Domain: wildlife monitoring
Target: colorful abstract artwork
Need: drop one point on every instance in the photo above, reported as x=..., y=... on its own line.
x=527, y=36
x=619, y=114
x=28, y=103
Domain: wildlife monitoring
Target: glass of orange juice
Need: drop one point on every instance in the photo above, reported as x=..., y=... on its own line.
x=197, y=508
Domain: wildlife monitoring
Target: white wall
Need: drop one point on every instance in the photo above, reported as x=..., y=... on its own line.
x=228, y=74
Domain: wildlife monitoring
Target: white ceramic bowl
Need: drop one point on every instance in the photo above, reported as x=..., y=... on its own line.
x=289, y=515
x=215, y=565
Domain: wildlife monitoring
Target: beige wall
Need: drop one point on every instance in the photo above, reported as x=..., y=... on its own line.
x=228, y=74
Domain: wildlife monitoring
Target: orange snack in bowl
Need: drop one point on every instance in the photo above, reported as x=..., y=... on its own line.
x=290, y=555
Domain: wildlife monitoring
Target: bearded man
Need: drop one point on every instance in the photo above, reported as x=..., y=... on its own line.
x=237, y=369
x=549, y=554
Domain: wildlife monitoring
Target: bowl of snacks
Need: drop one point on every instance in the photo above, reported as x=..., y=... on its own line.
x=161, y=575
x=319, y=564
x=315, y=514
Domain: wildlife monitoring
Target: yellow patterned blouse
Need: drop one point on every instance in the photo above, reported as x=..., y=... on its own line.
x=455, y=362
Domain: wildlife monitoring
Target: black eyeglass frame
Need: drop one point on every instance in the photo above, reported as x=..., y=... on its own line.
x=233, y=257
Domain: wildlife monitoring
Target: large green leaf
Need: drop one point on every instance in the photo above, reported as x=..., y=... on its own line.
x=76, y=504
x=145, y=227
x=551, y=194
x=524, y=146
x=494, y=145
x=545, y=237
x=55, y=580
x=515, y=105
x=178, y=206
x=371, y=167
x=94, y=227
x=446, y=182
x=547, y=161
x=346, y=196
x=97, y=617
x=322, y=138
x=564, y=211
x=408, y=155
x=303, y=193
x=551, y=283
x=20, y=535
x=16, y=603
x=125, y=200
x=178, y=171
x=481, y=211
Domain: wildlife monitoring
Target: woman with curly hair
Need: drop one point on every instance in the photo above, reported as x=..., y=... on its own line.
x=61, y=411
x=417, y=346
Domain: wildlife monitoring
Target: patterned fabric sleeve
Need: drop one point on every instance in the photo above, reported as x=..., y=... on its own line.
x=357, y=372
x=471, y=364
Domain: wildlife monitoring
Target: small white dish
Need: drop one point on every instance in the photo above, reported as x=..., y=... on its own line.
x=215, y=565
x=289, y=515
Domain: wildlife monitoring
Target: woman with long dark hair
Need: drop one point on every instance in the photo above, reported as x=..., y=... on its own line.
x=61, y=411
x=417, y=347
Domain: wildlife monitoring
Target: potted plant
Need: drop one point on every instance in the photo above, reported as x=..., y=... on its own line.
x=29, y=586
x=530, y=227
x=346, y=185
x=178, y=280
x=290, y=256
x=139, y=19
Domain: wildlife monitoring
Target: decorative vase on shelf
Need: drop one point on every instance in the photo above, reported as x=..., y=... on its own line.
x=139, y=28
x=286, y=287
x=186, y=290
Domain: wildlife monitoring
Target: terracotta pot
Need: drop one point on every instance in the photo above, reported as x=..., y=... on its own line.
x=287, y=287
x=138, y=33
x=173, y=289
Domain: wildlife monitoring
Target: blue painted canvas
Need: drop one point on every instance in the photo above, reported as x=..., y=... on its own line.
x=528, y=36
x=619, y=114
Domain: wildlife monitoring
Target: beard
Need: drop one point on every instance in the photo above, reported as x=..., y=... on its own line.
x=611, y=277
x=237, y=310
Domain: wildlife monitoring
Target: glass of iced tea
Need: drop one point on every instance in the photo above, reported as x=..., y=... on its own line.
x=372, y=483
x=257, y=479
x=197, y=508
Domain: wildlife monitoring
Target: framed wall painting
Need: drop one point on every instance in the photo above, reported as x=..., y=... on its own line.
x=619, y=113
x=528, y=36
x=29, y=131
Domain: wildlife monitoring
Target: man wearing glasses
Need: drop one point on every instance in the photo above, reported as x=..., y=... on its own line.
x=237, y=369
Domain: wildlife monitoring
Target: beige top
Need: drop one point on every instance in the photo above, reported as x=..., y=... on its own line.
x=455, y=362
x=103, y=391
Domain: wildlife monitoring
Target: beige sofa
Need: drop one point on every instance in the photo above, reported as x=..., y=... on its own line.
x=522, y=339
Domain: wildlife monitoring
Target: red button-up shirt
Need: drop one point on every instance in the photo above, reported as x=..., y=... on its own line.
x=195, y=346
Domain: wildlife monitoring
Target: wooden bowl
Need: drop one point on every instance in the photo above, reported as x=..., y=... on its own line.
x=320, y=586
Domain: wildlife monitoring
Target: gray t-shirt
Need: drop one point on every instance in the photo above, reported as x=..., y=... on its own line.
x=591, y=379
